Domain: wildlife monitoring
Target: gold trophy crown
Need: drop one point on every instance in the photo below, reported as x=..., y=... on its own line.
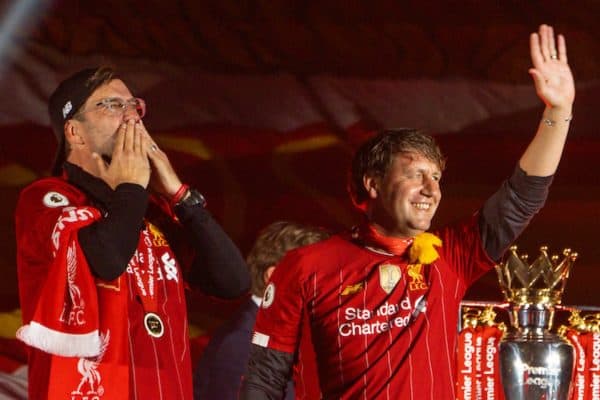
x=541, y=282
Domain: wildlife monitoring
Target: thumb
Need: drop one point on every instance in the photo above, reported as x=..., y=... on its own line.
x=100, y=163
x=538, y=78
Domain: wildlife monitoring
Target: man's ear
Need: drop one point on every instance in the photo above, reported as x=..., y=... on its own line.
x=71, y=131
x=371, y=185
x=267, y=274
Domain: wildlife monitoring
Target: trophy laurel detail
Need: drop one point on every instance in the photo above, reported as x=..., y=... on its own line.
x=535, y=363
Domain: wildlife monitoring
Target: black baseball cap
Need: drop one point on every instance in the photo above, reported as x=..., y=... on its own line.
x=70, y=95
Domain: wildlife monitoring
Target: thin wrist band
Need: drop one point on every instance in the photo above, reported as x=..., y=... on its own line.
x=551, y=122
x=178, y=196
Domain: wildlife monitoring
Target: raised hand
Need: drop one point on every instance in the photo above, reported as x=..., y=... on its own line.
x=551, y=73
x=129, y=163
x=164, y=179
x=554, y=85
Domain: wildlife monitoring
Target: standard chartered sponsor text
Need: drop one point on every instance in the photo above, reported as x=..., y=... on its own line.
x=357, y=319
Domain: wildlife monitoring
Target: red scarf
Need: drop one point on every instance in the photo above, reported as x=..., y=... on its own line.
x=421, y=248
x=66, y=321
x=89, y=338
x=392, y=245
x=89, y=349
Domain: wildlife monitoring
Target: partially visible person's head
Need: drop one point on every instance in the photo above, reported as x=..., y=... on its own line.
x=86, y=110
x=271, y=245
x=375, y=157
x=67, y=100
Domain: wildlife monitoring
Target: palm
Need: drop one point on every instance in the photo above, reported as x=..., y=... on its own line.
x=557, y=87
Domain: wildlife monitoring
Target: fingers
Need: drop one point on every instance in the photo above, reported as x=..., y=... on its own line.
x=562, y=49
x=139, y=142
x=156, y=156
x=551, y=44
x=551, y=74
x=131, y=139
x=534, y=46
x=136, y=139
x=545, y=48
x=151, y=147
x=164, y=178
x=544, y=42
x=143, y=141
x=120, y=140
x=548, y=46
x=129, y=135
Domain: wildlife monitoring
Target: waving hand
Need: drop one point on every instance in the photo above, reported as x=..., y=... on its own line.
x=551, y=73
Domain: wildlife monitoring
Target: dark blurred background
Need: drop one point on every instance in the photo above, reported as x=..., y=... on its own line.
x=261, y=103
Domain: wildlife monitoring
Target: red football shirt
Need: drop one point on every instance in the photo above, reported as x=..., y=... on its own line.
x=135, y=365
x=382, y=328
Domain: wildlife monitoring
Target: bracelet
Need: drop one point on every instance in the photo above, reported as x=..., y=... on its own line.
x=551, y=122
x=179, y=194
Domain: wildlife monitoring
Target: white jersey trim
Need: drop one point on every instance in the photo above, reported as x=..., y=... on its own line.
x=260, y=339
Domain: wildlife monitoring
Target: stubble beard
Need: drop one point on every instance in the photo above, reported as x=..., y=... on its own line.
x=107, y=148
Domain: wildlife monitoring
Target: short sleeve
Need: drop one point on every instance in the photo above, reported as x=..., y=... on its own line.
x=280, y=315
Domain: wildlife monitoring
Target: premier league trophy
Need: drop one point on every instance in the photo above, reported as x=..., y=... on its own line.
x=535, y=363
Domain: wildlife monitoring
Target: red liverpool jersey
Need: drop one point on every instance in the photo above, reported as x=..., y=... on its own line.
x=134, y=362
x=382, y=328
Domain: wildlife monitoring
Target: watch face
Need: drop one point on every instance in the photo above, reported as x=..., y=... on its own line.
x=193, y=199
x=202, y=199
x=198, y=198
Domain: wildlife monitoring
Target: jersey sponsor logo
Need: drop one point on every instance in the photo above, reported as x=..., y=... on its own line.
x=415, y=275
x=158, y=239
x=269, y=296
x=389, y=276
x=352, y=289
x=363, y=321
x=260, y=339
x=170, y=267
x=55, y=199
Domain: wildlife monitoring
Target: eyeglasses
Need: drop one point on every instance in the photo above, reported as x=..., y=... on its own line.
x=117, y=106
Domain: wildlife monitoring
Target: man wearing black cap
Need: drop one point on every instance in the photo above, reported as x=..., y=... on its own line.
x=101, y=289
